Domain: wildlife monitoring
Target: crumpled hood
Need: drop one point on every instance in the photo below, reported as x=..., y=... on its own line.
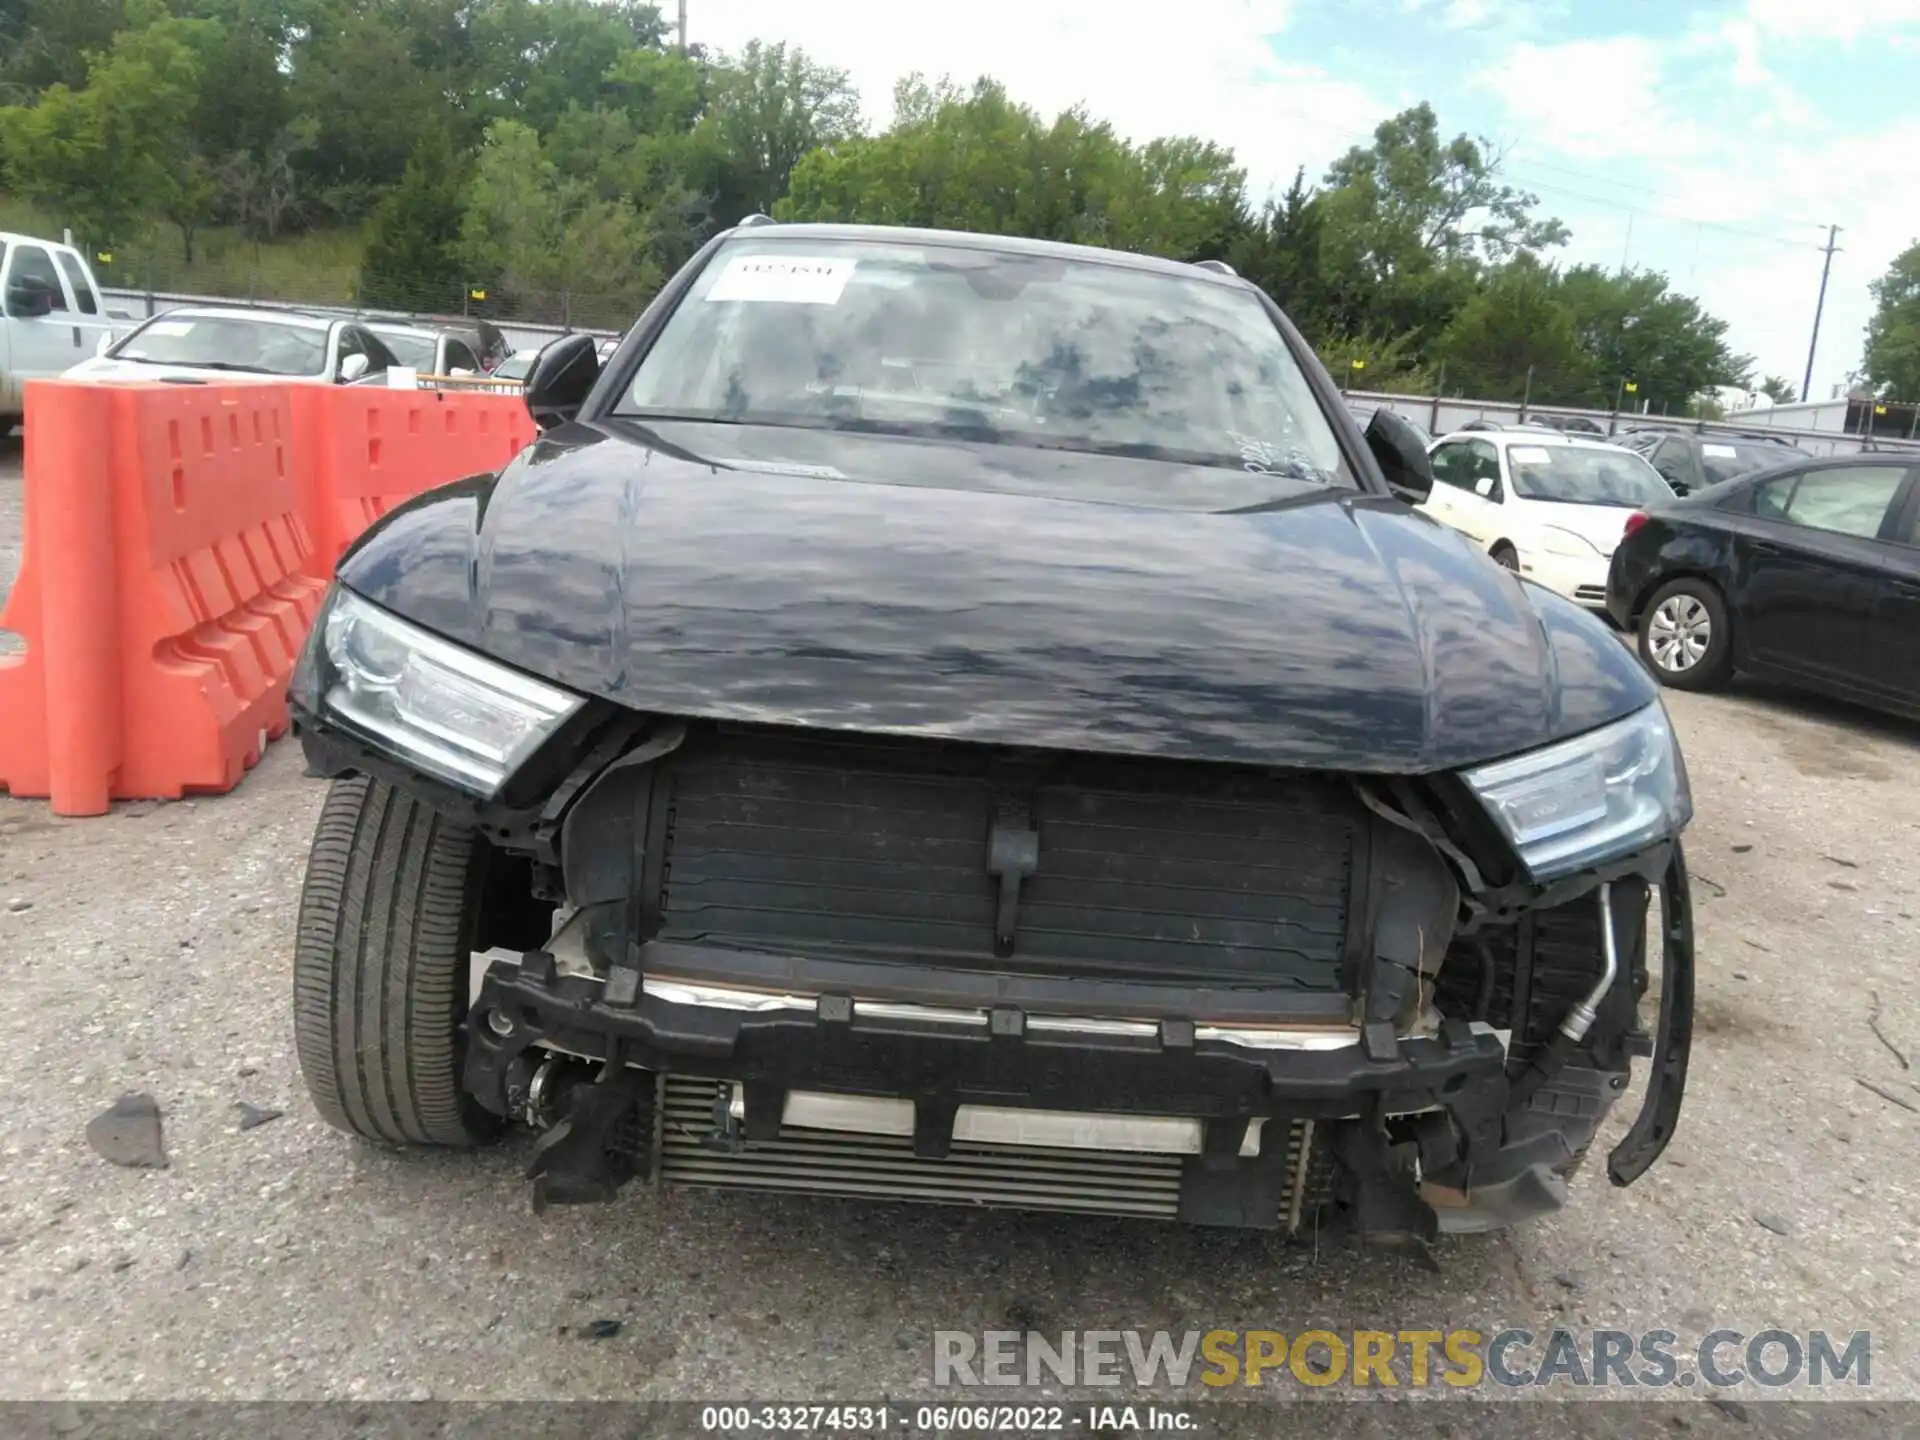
x=1338, y=632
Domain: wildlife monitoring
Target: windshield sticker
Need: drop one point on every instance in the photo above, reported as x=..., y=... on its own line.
x=783, y=279
x=1263, y=457
x=170, y=327
x=782, y=467
x=1720, y=452
x=1529, y=455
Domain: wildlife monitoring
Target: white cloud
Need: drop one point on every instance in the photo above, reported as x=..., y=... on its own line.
x=1844, y=20
x=1206, y=68
x=1717, y=176
x=1590, y=99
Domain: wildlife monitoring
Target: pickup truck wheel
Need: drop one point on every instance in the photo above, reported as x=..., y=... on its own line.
x=1505, y=556
x=1685, y=638
x=380, y=969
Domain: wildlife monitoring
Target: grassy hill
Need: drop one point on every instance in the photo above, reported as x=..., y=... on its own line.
x=317, y=268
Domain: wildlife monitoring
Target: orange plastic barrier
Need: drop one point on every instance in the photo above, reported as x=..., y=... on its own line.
x=178, y=543
x=162, y=592
x=367, y=450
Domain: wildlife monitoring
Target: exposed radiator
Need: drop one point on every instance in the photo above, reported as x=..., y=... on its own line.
x=881, y=1167
x=1146, y=870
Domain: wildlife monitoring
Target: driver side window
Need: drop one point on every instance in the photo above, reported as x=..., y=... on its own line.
x=1486, y=470
x=1452, y=465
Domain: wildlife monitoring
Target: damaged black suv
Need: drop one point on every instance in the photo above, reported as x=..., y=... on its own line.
x=939, y=717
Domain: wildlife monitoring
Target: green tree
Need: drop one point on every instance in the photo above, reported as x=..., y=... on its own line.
x=538, y=238
x=1516, y=339
x=106, y=156
x=768, y=107
x=49, y=42
x=1387, y=363
x=1779, y=389
x=976, y=160
x=355, y=77
x=413, y=257
x=1410, y=221
x=1893, y=333
x=1281, y=250
x=1634, y=327
x=534, y=59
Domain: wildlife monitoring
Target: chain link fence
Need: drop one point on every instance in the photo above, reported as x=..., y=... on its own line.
x=160, y=278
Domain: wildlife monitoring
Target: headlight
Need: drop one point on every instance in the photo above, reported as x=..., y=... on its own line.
x=453, y=714
x=1604, y=794
x=1567, y=545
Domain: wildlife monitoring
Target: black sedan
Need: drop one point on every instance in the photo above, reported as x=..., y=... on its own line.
x=1806, y=573
x=950, y=717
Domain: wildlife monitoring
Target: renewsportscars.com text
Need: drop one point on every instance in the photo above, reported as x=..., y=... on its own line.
x=1412, y=1359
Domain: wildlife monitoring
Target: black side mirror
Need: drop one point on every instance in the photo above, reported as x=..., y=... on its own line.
x=29, y=299
x=1402, y=458
x=561, y=376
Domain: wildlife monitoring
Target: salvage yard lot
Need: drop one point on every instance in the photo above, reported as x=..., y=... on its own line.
x=150, y=950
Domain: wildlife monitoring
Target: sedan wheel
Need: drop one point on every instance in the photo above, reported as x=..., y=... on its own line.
x=1679, y=633
x=1684, y=636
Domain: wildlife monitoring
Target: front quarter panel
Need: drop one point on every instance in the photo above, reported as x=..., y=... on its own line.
x=1595, y=678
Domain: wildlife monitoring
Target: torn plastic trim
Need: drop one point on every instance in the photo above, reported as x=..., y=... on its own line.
x=1484, y=905
x=1652, y=1129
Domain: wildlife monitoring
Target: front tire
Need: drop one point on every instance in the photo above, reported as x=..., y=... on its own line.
x=380, y=968
x=1505, y=556
x=1685, y=638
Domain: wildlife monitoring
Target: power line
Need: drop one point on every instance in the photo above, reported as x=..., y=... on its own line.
x=1721, y=225
x=1635, y=185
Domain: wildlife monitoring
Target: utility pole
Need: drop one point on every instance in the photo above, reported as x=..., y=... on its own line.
x=1806, y=385
x=683, y=27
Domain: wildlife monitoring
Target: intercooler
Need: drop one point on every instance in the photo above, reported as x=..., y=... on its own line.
x=885, y=1167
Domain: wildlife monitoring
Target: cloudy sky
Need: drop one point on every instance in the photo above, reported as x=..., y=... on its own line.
x=1711, y=139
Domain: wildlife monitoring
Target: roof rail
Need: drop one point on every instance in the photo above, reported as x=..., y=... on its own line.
x=754, y=219
x=1219, y=267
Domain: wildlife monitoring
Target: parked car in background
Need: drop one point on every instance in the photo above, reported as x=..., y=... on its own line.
x=1807, y=574
x=483, y=337
x=1689, y=461
x=516, y=366
x=1043, y=762
x=238, y=343
x=1571, y=425
x=1548, y=505
x=51, y=315
x=429, y=352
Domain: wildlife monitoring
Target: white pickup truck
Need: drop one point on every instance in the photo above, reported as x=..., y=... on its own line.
x=52, y=316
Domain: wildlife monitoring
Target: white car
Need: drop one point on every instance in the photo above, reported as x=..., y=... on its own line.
x=1548, y=505
x=428, y=352
x=223, y=344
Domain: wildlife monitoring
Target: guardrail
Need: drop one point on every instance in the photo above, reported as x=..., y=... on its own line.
x=524, y=335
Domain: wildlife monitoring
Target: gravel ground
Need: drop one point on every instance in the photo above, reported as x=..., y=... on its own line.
x=149, y=950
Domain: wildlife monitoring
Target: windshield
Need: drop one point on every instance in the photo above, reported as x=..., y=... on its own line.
x=228, y=342
x=413, y=351
x=1585, y=475
x=1723, y=461
x=515, y=367
x=1006, y=349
